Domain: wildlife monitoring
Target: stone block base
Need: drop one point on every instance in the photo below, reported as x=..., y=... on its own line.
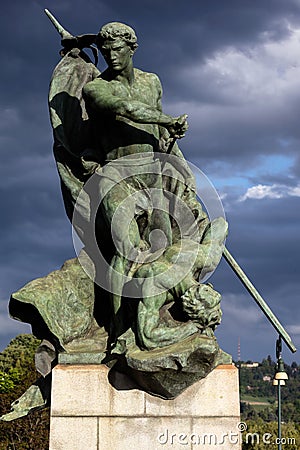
x=87, y=412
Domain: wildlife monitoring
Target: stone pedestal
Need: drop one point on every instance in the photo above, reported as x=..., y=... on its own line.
x=88, y=413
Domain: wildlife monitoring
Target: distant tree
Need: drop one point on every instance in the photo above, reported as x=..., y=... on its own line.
x=17, y=373
x=262, y=435
x=253, y=378
x=6, y=383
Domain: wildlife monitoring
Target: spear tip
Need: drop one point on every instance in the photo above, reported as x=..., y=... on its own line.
x=62, y=31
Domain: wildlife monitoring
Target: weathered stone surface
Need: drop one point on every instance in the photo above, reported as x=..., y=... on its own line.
x=74, y=433
x=205, y=416
x=217, y=433
x=140, y=432
x=208, y=397
x=83, y=390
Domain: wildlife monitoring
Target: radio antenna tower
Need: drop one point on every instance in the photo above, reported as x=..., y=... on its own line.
x=239, y=350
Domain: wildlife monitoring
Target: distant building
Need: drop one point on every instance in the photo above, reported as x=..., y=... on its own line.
x=250, y=365
x=267, y=378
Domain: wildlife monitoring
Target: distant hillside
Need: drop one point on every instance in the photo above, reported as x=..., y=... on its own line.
x=259, y=396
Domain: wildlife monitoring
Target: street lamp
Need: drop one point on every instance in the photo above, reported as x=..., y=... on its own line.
x=279, y=380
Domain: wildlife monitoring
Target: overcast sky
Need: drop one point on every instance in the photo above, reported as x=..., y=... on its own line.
x=234, y=67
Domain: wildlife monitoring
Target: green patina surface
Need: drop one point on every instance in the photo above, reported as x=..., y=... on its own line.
x=131, y=198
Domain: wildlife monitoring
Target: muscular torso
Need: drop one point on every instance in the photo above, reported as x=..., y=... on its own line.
x=115, y=135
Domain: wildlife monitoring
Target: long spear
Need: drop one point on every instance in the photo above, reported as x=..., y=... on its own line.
x=251, y=288
x=259, y=300
x=227, y=256
x=68, y=40
x=64, y=33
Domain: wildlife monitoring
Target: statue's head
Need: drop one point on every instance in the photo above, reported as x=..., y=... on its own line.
x=117, y=43
x=117, y=30
x=201, y=303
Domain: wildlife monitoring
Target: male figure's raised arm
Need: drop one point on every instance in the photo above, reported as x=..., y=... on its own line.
x=98, y=94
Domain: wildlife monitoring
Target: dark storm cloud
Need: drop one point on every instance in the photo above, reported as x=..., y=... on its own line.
x=243, y=320
x=264, y=239
x=30, y=190
x=171, y=32
x=248, y=112
x=237, y=115
x=263, y=234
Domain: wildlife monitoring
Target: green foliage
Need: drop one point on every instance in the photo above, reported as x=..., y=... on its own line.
x=17, y=363
x=256, y=390
x=262, y=435
x=19, y=352
x=10, y=379
x=6, y=383
x=17, y=373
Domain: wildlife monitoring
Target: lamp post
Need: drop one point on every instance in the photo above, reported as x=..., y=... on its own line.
x=279, y=380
